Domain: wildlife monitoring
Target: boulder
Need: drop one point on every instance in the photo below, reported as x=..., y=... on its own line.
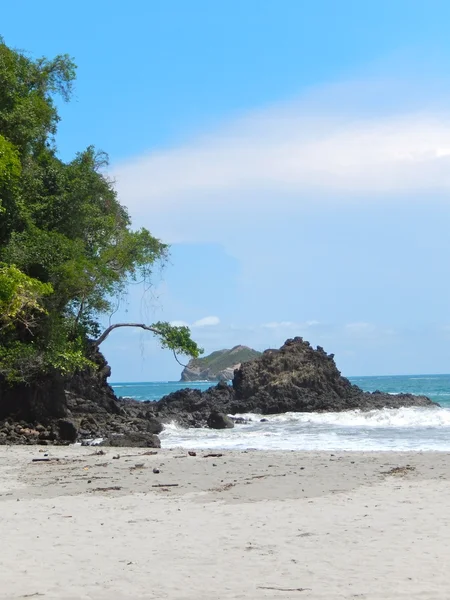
x=218, y=420
x=43, y=400
x=192, y=408
x=67, y=430
x=187, y=407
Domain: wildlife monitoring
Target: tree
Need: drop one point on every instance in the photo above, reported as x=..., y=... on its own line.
x=10, y=170
x=67, y=249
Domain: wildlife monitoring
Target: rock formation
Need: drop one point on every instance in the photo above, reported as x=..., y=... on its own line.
x=218, y=366
x=192, y=408
x=58, y=411
x=295, y=378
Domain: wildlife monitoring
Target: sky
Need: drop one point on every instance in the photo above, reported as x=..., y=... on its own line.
x=294, y=153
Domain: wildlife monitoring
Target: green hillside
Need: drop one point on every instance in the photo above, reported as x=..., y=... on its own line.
x=223, y=359
x=211, y=367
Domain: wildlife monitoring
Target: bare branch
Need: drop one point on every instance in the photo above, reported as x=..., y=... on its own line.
x=108, y=330
x=176, y=358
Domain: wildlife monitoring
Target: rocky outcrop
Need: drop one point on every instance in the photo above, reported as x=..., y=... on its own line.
x=295, y=378
x=191, y=408
x=299, y=378
x=54, y=410
x=218, y=366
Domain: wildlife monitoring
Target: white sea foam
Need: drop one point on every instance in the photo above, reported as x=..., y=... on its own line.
x=387, y=417
x=386, y=429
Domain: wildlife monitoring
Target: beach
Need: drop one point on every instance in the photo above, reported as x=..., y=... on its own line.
x=89, y=523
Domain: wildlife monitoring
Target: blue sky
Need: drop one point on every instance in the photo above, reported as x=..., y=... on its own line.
x=296, y=154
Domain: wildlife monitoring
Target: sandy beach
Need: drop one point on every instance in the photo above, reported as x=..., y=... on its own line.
x=246, y=524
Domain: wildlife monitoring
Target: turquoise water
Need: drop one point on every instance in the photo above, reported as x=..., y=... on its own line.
x=419, y=429
x=154, y=390
x=437, y=387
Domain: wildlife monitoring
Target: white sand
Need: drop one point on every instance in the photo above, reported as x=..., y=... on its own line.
x=250, y=525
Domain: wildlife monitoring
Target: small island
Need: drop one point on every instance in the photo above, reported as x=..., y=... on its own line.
x=219, y=365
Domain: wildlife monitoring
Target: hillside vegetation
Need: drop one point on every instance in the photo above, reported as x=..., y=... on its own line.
x=218, y=365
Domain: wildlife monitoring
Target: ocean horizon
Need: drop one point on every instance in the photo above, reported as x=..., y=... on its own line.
x=402, y=429
x=385, y=383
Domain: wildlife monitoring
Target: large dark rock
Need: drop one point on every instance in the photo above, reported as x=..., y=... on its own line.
x=299, y=378
x=67, y=430
x=66, y=410
x=295, y=378
x=218, y=420
x=187, y=407
x=43, y=400
x=191, y=408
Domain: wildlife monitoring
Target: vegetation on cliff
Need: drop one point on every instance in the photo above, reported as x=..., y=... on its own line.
x=67, y=249
x=218, y=365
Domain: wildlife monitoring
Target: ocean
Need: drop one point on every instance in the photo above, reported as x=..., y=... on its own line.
x=420, y=429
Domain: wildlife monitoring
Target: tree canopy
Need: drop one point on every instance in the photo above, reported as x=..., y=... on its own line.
x=67, y=249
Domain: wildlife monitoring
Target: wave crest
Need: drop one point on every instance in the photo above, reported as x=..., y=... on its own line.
x=387, y=417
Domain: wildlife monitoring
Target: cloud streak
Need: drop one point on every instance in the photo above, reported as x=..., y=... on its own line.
x=210, y=321
x=206, y=322
x=300, y=150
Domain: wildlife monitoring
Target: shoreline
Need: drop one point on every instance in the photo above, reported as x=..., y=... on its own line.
x=247, y=524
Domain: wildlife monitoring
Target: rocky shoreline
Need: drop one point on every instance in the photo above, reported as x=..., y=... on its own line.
x=295, y=378
x=56, y=411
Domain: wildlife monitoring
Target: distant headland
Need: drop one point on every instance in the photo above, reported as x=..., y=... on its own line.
x=219, y=365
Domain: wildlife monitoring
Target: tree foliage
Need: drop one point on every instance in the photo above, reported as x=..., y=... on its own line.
x=67, y=249
x=20, y=299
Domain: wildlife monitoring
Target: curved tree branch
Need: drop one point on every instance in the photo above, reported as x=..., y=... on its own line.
x=176, y=338
x=176, y=358
x=96, y=343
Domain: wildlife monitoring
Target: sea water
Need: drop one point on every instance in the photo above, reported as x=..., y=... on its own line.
x=387, y=429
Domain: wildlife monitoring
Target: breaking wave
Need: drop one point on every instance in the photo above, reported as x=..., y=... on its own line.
x=387, y=429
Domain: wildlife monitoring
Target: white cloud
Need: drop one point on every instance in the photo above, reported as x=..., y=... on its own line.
x=303, y=152
x=379, y=154
x=260, y=186
x=206, y=322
